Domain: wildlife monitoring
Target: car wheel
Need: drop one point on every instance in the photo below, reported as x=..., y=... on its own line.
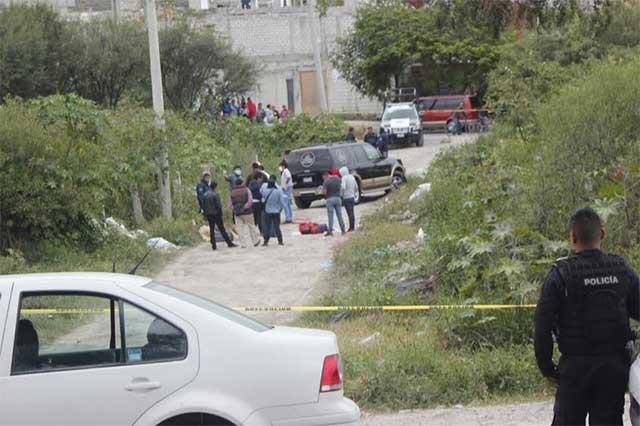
x=358, y=197
x=301, y=204
x=398, y=179
x=420, y=141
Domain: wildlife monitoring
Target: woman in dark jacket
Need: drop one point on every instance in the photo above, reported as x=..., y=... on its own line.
x=254, y=186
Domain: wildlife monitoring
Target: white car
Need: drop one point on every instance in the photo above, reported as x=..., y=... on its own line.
x=402, y=123
x=111, y=349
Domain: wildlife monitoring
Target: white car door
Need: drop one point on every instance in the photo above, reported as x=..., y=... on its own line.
x=78, y=358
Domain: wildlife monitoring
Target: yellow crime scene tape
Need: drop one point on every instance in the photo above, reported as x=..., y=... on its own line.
x=362, y=308
x=375, y=308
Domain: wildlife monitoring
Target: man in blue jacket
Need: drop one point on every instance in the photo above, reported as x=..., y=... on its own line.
x=383, y=143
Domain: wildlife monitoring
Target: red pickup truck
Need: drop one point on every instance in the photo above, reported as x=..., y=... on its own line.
x=436, y=111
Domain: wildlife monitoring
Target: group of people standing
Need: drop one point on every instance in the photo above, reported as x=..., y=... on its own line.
x=377, y=140
x=256, y=204
x=340, y=190
x=256, y=113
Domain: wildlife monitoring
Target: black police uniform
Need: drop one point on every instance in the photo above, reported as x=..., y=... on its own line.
x=586, y=301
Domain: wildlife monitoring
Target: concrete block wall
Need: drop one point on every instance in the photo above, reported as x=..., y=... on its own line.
x=279, y=41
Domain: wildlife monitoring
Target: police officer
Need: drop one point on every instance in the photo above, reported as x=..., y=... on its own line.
x=587, y=300
x=201, y=188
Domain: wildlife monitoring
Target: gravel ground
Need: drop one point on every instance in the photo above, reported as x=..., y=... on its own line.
x=530, y=414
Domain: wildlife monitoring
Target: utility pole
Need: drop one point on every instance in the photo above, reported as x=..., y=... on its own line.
x=516, y=10
x=115, y=9
x=317, y=58
x=164, y=184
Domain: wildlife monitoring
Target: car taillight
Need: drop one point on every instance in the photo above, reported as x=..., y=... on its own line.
x=331, y=374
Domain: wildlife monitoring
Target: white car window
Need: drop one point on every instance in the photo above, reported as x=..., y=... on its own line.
x=61, y=331
x=210, y=306
x=69, y=331
x=151, y=339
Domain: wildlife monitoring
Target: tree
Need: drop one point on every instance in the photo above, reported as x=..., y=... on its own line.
x=133, y=148
x=196, y=60
x=531, y=71
x=109, y=59
x=445, y=45
x=379, y=48
x=32, y=62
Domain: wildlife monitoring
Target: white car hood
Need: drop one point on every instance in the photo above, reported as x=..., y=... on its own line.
x=399, y=123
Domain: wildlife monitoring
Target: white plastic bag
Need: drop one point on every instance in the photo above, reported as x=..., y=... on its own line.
x=420, y=191
x=161, y=244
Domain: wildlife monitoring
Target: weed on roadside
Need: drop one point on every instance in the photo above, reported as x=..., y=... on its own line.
x=397, y=361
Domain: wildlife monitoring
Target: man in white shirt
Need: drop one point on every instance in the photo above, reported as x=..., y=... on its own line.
x=349, y=192
x=286, y=183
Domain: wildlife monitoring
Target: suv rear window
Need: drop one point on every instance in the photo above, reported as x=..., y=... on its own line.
x=343, y=156
x=317, y=159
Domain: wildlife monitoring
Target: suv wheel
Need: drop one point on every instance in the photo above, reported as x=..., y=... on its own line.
x=358, y=197
x=301, y=204
x=398, y=179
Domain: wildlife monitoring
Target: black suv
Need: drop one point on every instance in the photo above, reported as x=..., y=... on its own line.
x=373, y=173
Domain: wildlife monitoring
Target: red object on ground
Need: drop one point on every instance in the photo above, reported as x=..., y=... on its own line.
x=309, y=228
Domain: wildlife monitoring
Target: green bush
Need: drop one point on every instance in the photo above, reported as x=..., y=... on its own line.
x=60, y=256
x=50, y=177
x=408, y=367
x=247, y=142
x=587, y=147
x=531, y=71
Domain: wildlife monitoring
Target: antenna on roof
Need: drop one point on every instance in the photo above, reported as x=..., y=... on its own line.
x=135, y=268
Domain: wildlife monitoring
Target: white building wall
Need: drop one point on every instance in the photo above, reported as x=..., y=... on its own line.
x=277, y=39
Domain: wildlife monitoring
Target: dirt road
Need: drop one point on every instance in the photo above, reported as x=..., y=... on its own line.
x=531, y=414
x=279, y=276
